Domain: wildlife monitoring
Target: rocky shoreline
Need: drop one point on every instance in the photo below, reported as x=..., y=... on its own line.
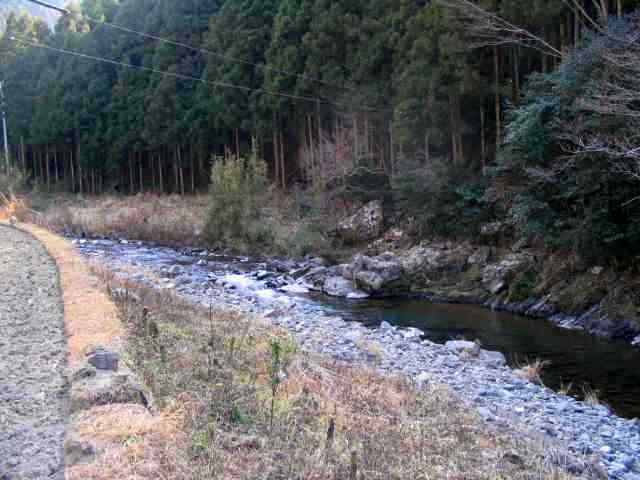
x=479, y=377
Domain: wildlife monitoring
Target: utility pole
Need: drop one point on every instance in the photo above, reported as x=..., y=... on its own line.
x=4, y=127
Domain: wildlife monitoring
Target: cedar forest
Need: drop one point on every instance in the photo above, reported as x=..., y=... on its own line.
x=522, y=114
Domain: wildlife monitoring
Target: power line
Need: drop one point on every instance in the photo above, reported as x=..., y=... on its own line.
x=199, y=49
x=181, y=76
x=63, y=11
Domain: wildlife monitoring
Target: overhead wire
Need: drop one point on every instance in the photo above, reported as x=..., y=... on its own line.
x=204, y=51
x=314, y=100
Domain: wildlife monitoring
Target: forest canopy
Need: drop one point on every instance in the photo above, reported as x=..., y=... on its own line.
x=470, y=121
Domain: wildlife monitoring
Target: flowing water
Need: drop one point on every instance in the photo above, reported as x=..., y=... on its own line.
x=575, y=358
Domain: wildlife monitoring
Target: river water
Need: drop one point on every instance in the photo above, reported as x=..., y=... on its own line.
x=575, y=358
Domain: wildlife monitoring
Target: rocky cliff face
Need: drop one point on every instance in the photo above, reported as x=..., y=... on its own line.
x=518, y=279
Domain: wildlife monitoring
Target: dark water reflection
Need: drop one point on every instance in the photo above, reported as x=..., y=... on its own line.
x=612, y=368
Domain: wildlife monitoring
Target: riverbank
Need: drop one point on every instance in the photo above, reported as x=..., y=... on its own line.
x=516, y=278
x=501, y=396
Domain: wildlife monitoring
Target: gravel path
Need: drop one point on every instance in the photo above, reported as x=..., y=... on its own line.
x=33, y=394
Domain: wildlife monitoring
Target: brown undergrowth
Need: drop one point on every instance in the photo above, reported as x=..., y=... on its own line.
x=241, y=401
x=171, y=219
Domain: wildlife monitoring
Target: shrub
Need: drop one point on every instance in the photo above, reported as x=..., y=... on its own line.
x=238, y=187
x=444, y=200
x=12, y=180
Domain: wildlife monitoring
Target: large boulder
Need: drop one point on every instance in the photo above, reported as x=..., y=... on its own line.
x=364, y=225
x=381, y=275
x=341, y=287
x=433, y=260
x=496, y=276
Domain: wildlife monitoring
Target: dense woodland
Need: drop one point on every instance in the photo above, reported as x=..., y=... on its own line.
x=465, y=119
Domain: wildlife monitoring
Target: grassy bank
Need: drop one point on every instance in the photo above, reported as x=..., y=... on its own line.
x=176, y=220
x=181, y=221
x=248, y=403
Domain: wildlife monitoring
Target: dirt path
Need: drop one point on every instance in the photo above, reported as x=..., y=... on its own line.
x=33, y=353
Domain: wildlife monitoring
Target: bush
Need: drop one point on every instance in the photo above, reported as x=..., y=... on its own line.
x=238, y=188
x=443, y=199
x=12, y=180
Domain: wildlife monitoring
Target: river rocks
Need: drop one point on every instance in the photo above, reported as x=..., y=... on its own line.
x=480, y=379
x=363, y=226
x=106, y=388
x=463, y=346
x=496, y=276
x=381, y=275
x=432, y=261
x=103, y=359
x=78, y=450
x=341, y=287
x=493, y=359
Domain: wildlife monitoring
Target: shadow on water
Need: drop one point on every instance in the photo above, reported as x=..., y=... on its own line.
x=577, y=358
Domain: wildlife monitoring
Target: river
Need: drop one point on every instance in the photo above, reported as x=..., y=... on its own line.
x=575, y=358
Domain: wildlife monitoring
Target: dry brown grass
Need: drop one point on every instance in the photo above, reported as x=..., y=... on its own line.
x=13, y=207
x=216, y=374
x=90, y=316
x=591, y=396
x=164, y=219
x=132, y=443
x=532, y=371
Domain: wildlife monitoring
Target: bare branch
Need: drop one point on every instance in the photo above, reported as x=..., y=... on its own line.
x=491, y=29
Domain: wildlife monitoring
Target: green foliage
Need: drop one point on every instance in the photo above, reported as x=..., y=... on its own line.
x=238, y=187
x=580, y=202
x=442, y=199
x=522, y=288
x=12, y=180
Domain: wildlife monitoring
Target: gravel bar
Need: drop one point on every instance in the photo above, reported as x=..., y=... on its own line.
x=33, y=355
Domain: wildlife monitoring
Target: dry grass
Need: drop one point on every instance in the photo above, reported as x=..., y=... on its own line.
x=132, y=443
x=90, y=316
x=175, y=220
x=13, y=208
x=250, y=405
x=532, y=371
x=591, y=396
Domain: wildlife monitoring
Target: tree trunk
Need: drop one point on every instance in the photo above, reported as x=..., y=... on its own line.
x=282, y=163
x=131, y=184
x=356, y=142
x=160, y=172
x=55, y=164
x=392, y=155
x=193, y=170
x=24, y=158
x=154, y=179
x=483, y=141
x=496, y=67
x=276, y=156
x=48, y=171
x=320, y=158
x=140, y=172
x=180, y=170
x=73, y=172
